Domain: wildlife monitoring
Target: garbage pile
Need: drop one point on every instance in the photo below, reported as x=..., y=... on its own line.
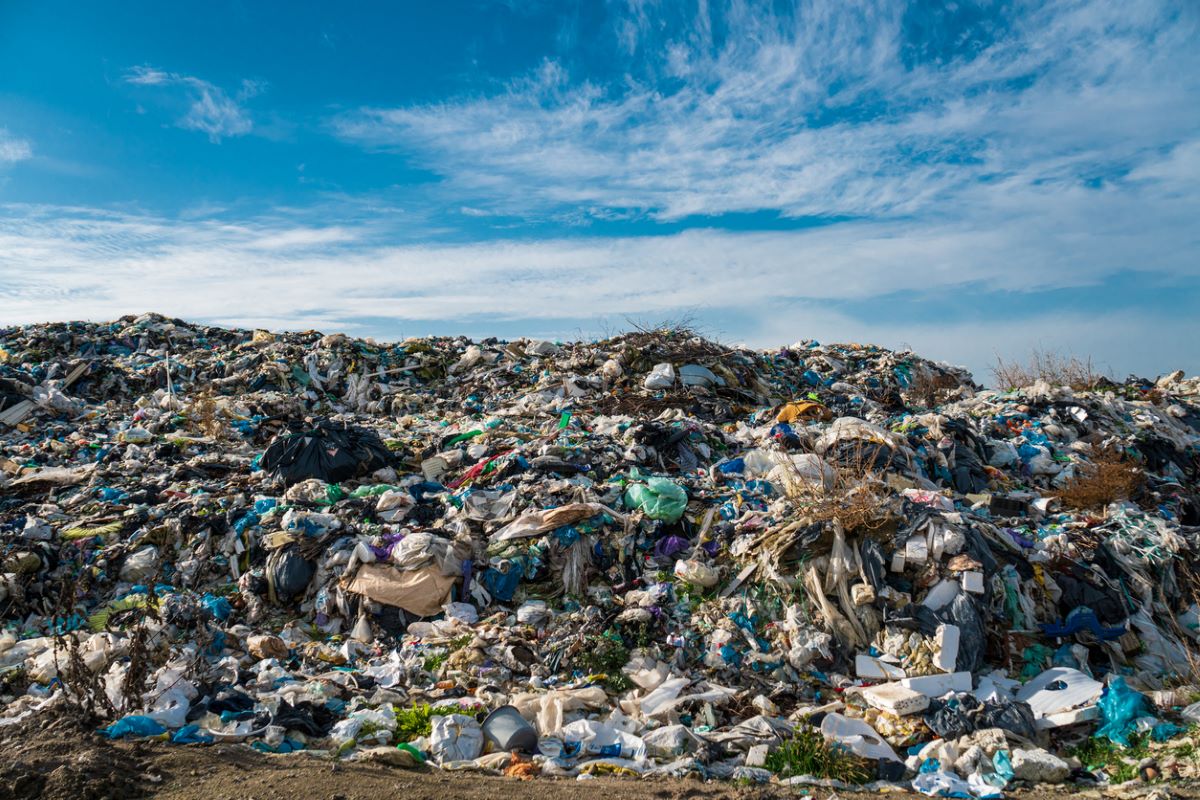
x=648, y=555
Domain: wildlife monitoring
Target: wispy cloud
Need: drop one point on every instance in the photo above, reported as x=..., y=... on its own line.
x=210, y=109
x=13, y=149
x=834, y=109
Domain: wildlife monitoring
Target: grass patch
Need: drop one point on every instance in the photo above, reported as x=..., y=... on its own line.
x=605, y=654
x=418, y=720
x=617, y=683
x=807, y=753
x=1098, y=754
x=434, y=662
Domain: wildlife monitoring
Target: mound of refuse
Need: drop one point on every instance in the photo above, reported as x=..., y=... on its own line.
x=647, y=555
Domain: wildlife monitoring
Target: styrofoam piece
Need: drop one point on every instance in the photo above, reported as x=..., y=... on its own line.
x=1072, y=717
x=941, y=595
x=862, y=594
x=916, y=550
x=757, y=755
x=945, y=647
x=938, y=685
x=866, y=666
x=972, y=581
x=896, y=698
x=858, y=737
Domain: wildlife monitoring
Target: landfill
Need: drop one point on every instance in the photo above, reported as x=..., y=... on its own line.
x=650, y=555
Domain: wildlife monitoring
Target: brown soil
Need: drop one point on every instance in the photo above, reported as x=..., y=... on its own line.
x=59, y=759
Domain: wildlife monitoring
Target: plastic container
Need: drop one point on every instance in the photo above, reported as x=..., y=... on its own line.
x=506, y=730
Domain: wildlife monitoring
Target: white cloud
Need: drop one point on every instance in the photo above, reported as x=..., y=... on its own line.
x=148, y=76
x=781, y=285
x=210, y=109
x=821, y=112
x=13, y=149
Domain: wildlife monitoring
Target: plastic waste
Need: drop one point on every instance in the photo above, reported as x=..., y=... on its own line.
x=455, y=737
x=1120, y=706
x=506, y=730
x=133, y=725
x=661, y=377
x=657, y=498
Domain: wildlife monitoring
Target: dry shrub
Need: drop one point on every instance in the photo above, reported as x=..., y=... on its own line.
x=203, y=413
x=930, y=389
x=83, y=689
x=1051, y=367
x=856, y=496
x=1109, y=478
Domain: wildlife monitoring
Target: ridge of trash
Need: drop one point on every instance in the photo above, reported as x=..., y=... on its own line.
x=648, y=555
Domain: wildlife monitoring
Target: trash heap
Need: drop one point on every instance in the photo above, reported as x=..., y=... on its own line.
x=649, y=555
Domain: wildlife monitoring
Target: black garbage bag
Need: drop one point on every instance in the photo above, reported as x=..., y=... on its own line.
x=874, y=563
x=969, y=474
x=951, y=719
x=311, y=720
x=914, y=617
x=288, y=573
x=10, y=394
x=972, y=632
x=1014, y=717
x=964, y=714
x=330, y=451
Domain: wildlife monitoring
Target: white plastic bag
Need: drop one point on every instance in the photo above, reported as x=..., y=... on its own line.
x=455, y=737
x=661, y=377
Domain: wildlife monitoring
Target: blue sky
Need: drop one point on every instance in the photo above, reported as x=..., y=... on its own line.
x=963, y=178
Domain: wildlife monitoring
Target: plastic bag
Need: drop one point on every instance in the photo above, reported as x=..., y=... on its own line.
x=288, y=573
x=658, y=498
x=133, y=725
x=1120, y=706
x=191, y=734
x=661, y=377
x=170, y=708
x=140, y=565
x=697, y=573
x=330, y=451
x=455, y=737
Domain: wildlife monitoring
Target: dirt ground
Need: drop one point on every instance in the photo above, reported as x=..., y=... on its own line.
x=56, y=759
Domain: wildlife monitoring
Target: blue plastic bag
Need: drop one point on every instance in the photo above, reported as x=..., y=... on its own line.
x=1002, y=770
x=190, y=734
x=219, y=607
x=1120, y=706
x=133, y=725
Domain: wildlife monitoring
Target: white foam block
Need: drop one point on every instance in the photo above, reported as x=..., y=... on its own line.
x=941, y=594
x=938, y=685
x=972, y=582
x=870, y=667
x=945, y=644
x=916, y=550
x=1074, y=717
x=896, y=698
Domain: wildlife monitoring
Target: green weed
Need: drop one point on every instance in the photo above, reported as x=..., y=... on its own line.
x=807, y=753
x=605, y=653
x=1100, y=754
x=418, y=720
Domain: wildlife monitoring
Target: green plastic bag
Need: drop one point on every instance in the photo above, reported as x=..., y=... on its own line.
x=659, y=498
x=373, y=490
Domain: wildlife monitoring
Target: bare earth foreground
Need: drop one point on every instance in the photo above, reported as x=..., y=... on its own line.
x=56, y=759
